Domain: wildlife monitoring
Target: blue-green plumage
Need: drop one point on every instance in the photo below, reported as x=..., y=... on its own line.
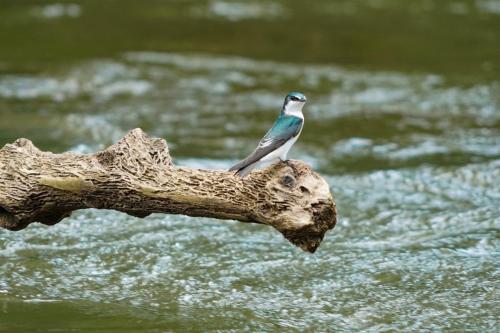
x=284, y=127
x=280, y=138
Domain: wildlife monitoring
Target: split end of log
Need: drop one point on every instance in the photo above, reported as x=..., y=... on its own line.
x=136, y=176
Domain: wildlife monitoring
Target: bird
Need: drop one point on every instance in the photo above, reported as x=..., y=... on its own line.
x=274, y=146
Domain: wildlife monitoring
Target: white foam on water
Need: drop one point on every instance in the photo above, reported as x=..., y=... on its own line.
x=489, y=6
x=238, y=11
x=58, y=10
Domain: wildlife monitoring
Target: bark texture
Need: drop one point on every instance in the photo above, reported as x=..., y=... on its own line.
x=136, y=176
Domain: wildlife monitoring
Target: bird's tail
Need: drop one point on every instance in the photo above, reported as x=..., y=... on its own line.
x=244, y=170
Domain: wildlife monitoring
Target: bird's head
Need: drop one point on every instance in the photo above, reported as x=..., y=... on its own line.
x=294, y=102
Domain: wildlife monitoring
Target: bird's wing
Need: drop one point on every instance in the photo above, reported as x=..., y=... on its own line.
x=285, y=128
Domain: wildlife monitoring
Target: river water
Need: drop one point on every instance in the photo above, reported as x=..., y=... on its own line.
x=403, y=120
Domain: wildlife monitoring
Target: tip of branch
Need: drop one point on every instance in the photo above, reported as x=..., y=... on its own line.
x=305, y=205
x=310, y=236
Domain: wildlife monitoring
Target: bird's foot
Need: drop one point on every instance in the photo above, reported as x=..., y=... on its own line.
x=290, y=165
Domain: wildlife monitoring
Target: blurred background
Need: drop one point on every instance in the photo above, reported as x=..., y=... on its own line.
x=403, y=120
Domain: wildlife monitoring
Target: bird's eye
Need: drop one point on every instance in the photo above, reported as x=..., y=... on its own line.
x=294, y=98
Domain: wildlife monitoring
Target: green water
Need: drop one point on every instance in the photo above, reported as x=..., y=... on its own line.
x=403, y=120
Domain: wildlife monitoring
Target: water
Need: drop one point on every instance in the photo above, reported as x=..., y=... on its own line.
x=403, y=123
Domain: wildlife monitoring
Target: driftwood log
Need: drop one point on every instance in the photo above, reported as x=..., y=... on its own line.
x=137, y=176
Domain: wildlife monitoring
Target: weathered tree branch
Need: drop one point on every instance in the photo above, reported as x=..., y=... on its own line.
x=136, y=176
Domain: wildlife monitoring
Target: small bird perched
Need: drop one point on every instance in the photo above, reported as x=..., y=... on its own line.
x=279, y=139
